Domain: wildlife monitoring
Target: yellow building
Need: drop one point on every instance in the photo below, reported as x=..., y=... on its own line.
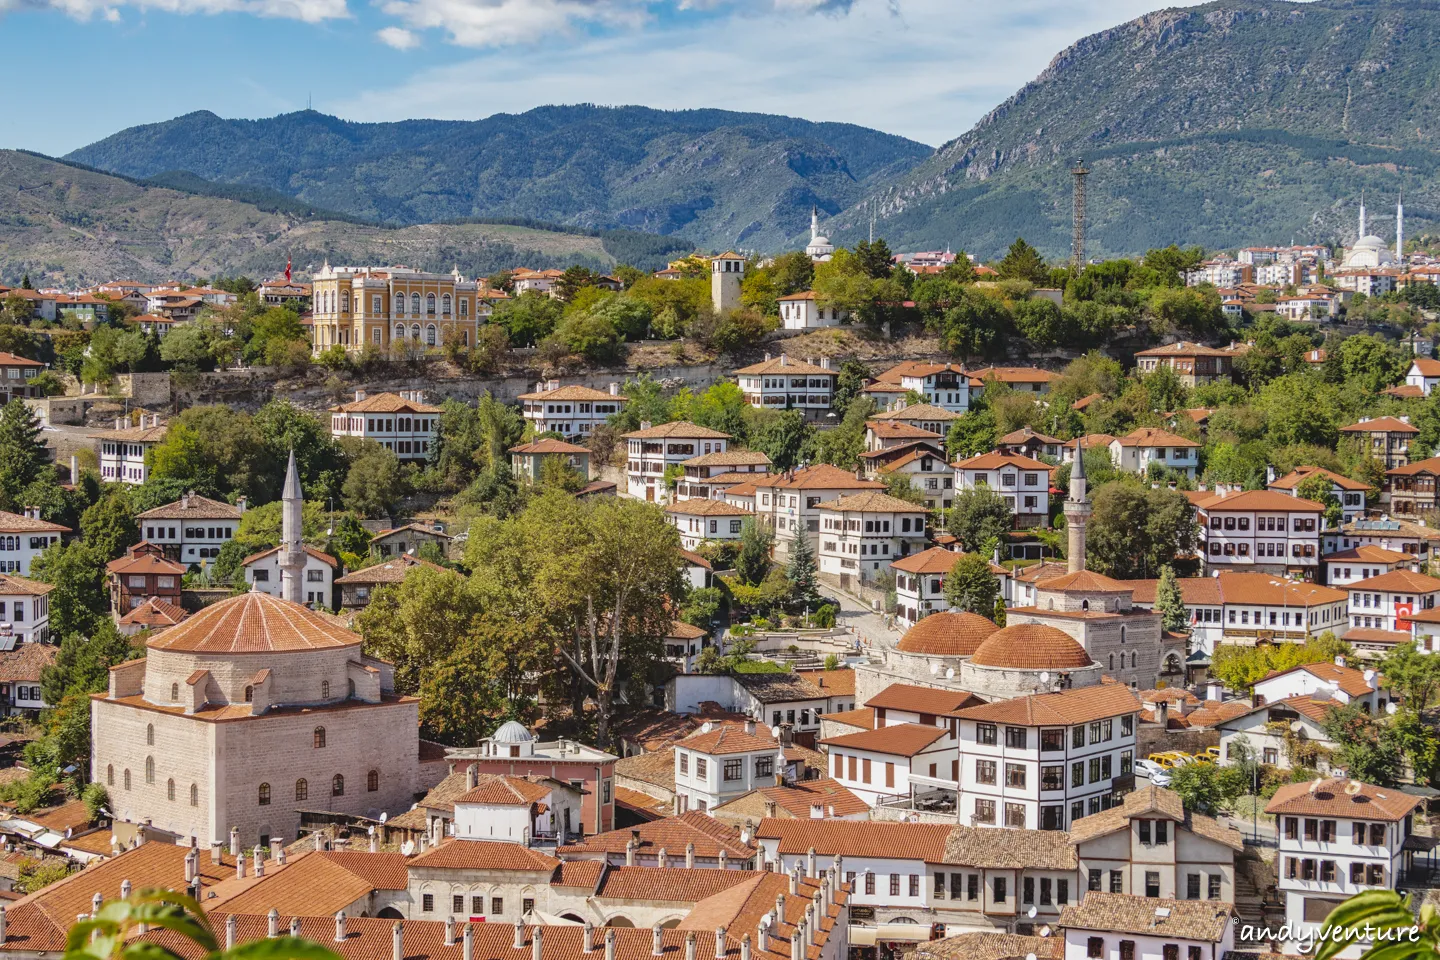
x=395, y=308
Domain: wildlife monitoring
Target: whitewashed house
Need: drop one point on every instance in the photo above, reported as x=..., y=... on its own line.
x=803, y=311
x=1022, y=482
x=723, y=761
x=1423, y=373
x=782, y=383
x=1138, y=450
x=790, y=502
x=1261, y=530
x=1387, y=601
x=192, y=529
x=1350, y=493
x=652, y=450
x=1118, y=926
x=317, y=583
x=24, y=611
x=23, y=537
x=861, y=534
x=701, y=520
x=573, y=411
x=123, y=449
x=403, y=423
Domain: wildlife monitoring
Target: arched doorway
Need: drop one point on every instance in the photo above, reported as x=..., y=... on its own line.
x=622, y=922
x=389, y=913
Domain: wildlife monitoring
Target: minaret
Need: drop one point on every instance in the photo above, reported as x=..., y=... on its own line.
x=1362, y=214
x=1400, y=228
x=814, y=223
x=292, y=543
x=1077, y=513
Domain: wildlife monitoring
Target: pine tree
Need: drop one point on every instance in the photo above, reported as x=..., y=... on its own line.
x=802, y=571
x=22, y=452
x=999, y=616
x=753, y=561
x=1169, y=602
x=25, y=283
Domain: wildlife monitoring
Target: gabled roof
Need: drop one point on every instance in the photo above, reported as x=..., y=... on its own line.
x=384, y=403
x=1293, y=479
x=1015, y=375
x=788, y=366
x=1426, y=367
x=506, y=791
x=1085, y=581
x=1025, y=434
x=709, y=835
x=729, y=738
x=573, y=392
x=1431, y=465
x=390, y=571
x=144, y=562
x=19, y=523
x=994, y=461
x=155, y=612
x=14, y=585
x=1202, y=920
x=857, y=838
x=1368, y=553
x=1339, y=797
x=1381, y=425
x=821, y=476
x=192, y=506
x=917, y=411
x=728, y=458
x=1268, y=501
x=915, y=699
x=872, y=501
x=1348, y=679
x=320, y=555
x=458, y=854
x=678, y=429
x=1147, y=801
x=11, y=360
x=1398, y=581
x=1068, y=707
x=900, y=740
x=551, y=445
x=897, y=430
x=24, y=663
x=932, y=560
x=700, y=507
x=1261, y=589
x=799, y=798
x=1154, y=437
x=1183, y=349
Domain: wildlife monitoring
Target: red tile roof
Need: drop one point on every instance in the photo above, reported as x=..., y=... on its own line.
x=484, y=855
x=1381, y=425
x=256, y=622
x=1398, y=581
x=709, y=835
x=910, y=698
x=900, y=740
x=1338, y=797
x=1068, y=707
x=1031, y=646
x=858, y=838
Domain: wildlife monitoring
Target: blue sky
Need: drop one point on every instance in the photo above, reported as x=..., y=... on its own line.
x=926, y=69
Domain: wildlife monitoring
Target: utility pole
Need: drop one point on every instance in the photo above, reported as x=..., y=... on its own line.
x=1077, y=240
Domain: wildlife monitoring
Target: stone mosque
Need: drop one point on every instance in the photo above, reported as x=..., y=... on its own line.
x=1083, y=627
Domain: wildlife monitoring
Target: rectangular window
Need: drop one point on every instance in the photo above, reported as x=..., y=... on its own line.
x=1144, y=831
x=1015, y=815
x=1152, y=883
x=1062, y=892
x=457, y=903
x=1077, y=738
x=734, y=769
x=972, y=887
x=1052, y=739
x=1095, y=948
x=894, y=884
x=1213, y=890
x=427, y=903
x=914, y=885
x=1117, y=881
x=701, y=767
x=985, y=771
x=1015, y=775
x=1052, y=778
x=984, y=811
x=1001, y=893
x=1094, y=879
x=497, y=904
x=1192, y=886
x=1027, y=890
x=1015, y=737
x=870, y=884
x=985, y=734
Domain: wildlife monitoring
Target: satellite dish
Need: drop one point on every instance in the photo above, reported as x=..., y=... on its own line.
x=1353, y=788
x=775, y=732
x=1044, y=676
x=1029, y=956
x=934, y=668
x=1031, y=913
x=384, y=816
x=1314, y=784
x=407, y=848
x=1045, y=930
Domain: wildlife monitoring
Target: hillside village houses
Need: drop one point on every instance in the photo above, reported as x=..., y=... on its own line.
x=861, y=533
x=652, y=450
x=1137, y=451
x=1022, y=482
x=1192, y=363
x=699, y=520
x=192, y=529
x=24, y=611
x=1261, y=530
x=571, y=410
x=1424, y=373
x=391, y=308
x=1387, y=601
x=804, y=311
x=944, y=385
x=1388, y=438
x=790, y=502
x=1294, y=703
x=783, y=383
x=123, y=449
x=711, y=475
x=1350, y=493
x=528, y=459
x=23, y=537
x=263, y=572
x=16, y=374
x=921, y=462
x=403, y=422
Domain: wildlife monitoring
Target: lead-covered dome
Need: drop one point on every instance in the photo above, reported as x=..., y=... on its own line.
x=1031, y=646
x=512, y=732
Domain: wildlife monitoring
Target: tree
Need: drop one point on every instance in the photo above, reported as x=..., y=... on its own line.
x=780, y=435
x=22, y=452
x=1135, y=531
x=753, y=561
x=972, y=435
x=1320, y=488
x=850, y=380
x=79, y=600
x=1205, y=788
x=1367, y=747
x=1023, y=262
x=108, y=526
x=970, y=586
x=999, y=615
x=1169, y=602
x=1412, y=674
x=802, y=571
x=874, y=258
x=82, y=664
x=976, y=516
x=375, y=484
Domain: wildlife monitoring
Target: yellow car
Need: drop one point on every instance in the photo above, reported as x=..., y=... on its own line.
x=1164, y=760
x=1213, y=753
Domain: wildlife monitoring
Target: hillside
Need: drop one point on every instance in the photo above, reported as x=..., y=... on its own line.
x=1233, y=123
x=67, y=225
x=715, y=177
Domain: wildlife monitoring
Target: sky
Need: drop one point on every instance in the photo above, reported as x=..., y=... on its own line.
x=924, y=69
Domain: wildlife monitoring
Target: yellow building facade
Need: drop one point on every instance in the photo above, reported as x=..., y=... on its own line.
x=394, y=308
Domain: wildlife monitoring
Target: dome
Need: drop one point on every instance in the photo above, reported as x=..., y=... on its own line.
x=1031, y=646
x=256, y=623
x=1372, y=242
x=512, y=732
x=948, y=634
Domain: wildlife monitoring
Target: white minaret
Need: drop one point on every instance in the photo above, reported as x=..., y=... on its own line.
x=1362, y=214
x=814, y=222
x=1077, y=513
x=1400, y=228
x=292, y=543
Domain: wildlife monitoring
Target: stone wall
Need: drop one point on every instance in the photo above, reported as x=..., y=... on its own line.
x=1151, y=739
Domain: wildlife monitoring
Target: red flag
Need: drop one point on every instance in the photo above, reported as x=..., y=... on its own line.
x=287, y=269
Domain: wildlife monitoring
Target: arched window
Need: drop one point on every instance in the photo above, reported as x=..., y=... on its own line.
x=249, y=694
x=445, y=305
x=430, y=304
x=1112, y=661
x=1122, y=634
x=372, y=781
x=1084, y=604
x=399, y=303
x=169, y=789
x=399, y=331
x=319, y=737
x=174, y=691
x=1132, y=661
x=415, y=304
x=149, y=769
x=350, y=691
x=150, y=734
x=430, y=334
x=194, y=795
x=337, y=786
x=109, y=774
x=264, y=794
x=345, y=301
x=126, y=779
x=302, y=789
x=324, y=689
x=415, y=331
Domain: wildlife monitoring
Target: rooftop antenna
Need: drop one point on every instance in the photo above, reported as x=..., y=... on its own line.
x=1077, y=240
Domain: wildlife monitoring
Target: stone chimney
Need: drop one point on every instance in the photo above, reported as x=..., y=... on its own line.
x=519, y=935
x=216, y=852
x=272, y=923
x=749, y=726
x=234, y=841
x=1162, y=713
x=359, y=395
x=240, y=868
x=397, y=941
x=467, y=944
x=720, y=941
x=745, y=947
x=1214, y=690
x=339, y=926
x=614, y=389
x=259, y=862
x=587, y=935
x=690, y=939
x=294, y=926
x=537, y=934
x=795, y=878
x=630, y=848
x=275, y=847
x=1340, y=660
x=662, y=858
x=722, y=859
x=125, y=889
x=2, y=923
x=810, y=863
x=770, y=809
x=609, y=943
x=374, y=841
x=657, y=945
x=787, y=735
x=449, y=931
x=231, y=922
x=690, y=855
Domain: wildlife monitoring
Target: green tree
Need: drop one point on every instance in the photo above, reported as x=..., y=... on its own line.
x=1320, y=489
x=1169, y=602
x=1366, y=745
x=108, y=526
x=780, y=435
x=1023, y=262
x=528, y=318
x=82, y=664
x=971, y=587
x=972, y=435
x=1412, y=674
x=1135, y=531
x=22, y=452
x=1205, y=788
x=976, y=516
x=874, y=258
x=753, y=561
x=850, y=380
x=79, y=600
x=802, y=571
x=375, y=484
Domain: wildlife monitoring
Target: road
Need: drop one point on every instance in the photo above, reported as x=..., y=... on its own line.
x=869, y=626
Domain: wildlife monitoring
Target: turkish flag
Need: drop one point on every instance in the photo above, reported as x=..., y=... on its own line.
x=287, y=269
x=1402, y=612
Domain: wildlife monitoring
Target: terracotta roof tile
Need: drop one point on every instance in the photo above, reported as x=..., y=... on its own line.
x=192, y=507
x=1009, y=848
x=668, y=883
x=1333, y=798
x=707, y=508
x=320, y=555
x=1261, y=589
x=579, y=873
x=863, y=718
x=800, y=797
x=729, y=458
x=24, y=663
x=915, y=699
x=1368, y=553
x=728, y=738
x=255, y=622
x=154, y=612
x=550, y=445
x=1251, y=501
x=19, y=523
x=1145, y=802
x=679, y=429
x=893, y=430
x=991, y=946
x=787, y=365
x=385, y=403
x=393, y=570
x=858, y=838
x=1294, y=478
x=994, y=461
x=573, y=392
x=503, y=790
x=917, y=411
x=1381, y=425
x=656, y=768
x=837, y=683
x=1347, y=679
x=1153, y=437
x=1398, y=581
x=899, y=740
x=1031, y=646
x=1015, y=375
x=14, y=585
x=1203, y=920
x=640, y=802
x=1085, y=581
x=822, y=476
x=484, y=855
x=1076, y=705
x=872, y=501
x=709, y=835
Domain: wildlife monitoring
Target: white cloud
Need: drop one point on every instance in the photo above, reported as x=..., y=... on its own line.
x=928, y=70
x=309, y=11
x=398, y=37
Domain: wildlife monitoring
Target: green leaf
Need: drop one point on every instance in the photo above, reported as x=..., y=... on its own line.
x=148, y=950
x=1382, y=909
x=77, y=941
x=1405, y=950
x=280, y=948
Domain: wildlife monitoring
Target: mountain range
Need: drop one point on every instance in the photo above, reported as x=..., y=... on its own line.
x=718, y=177
x=1233, y=123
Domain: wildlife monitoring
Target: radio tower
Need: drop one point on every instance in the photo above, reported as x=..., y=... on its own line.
x=1077, y=240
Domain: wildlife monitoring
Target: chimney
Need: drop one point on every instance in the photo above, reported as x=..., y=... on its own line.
x=630, y=846
x=449, y=931
x=119, y=423
x=690, y=855
x=689, y=946
x=553, y=384
x=787, y=735
x=240, y=868
x=339, y=926
x=784, y=358
x=319, y=840
x=537, y=935
x=750, y=727
x=374, y=841
x=125, y=889
x=192, y=866
x=259, y=862
x=722, y=858
x=74, y=468
x=810, y=863
x=1340, y=660
x=657, y=947
x=472, y=777
x=240, y=504
x=645, y=424
x=1214, y=690
x=810, y=924
x=467, y=944
x=587, y=930
x=837, y=866
x=216, y=852
x=744, y=946
x=397, y=941
x=234, y=841
x=609, y=943
x=720, y=941
x=275, y=848
x=231, y=922
x=95, y=903
x=280, y=857
x=662, y=858
x=359, y=395
x=1162, y=714
x=614, y=389
x=519, y=935
x=272, y=923
x=761, y=932
x=770, y=809
x=294, y=926
x=779, y=908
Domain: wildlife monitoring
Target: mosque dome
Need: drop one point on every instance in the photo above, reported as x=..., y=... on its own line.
x=948, y=634
x=512, y=732
x=1031, y=646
